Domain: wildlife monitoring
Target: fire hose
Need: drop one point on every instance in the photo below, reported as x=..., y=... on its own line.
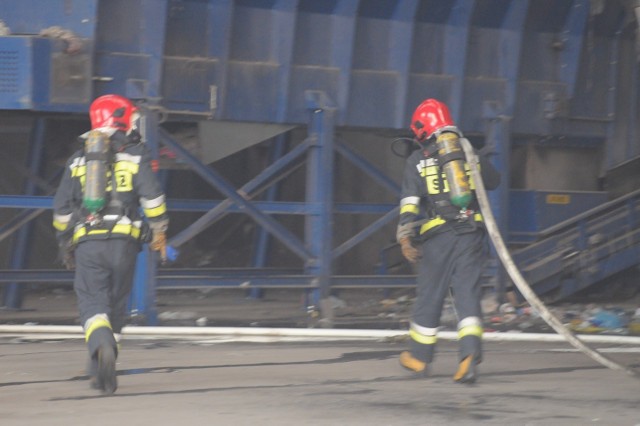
x=516, y=276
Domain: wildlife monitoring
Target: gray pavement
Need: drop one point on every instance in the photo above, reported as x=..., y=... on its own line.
x=203, y=382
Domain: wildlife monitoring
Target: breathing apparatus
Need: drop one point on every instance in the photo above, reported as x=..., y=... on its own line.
x=437, y=134
x=108, y=113
x=97, y=158
x=451, y=160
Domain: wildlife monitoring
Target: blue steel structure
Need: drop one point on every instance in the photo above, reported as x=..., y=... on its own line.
x=518, y=76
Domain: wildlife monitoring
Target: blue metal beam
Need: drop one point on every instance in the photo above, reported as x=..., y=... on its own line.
x=247, y=191
x=572, y=40
x=221, y=184
x=320, y=169
x=20, y=254
x=262, y=239
x=189, y=205
x=142, y=300
x=498, y=136
x=393, y=214
x=218, y=43
x=612, y=83
x=456, y=33
x=401, y=34
x=152, y=29
x=509, y=59
x=284, y=19
x=498, y=140
x=143, y=294
x=367, y=167
x=26, y=201
x=341, y=55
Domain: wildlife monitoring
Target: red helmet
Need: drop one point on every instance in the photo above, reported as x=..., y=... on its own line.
x=113, y=111
x=430, y=116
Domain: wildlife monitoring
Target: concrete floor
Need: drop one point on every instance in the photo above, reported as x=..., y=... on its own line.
x=201, y=382
x=217, y=381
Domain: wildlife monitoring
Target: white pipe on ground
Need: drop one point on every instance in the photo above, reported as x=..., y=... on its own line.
x=307, y=334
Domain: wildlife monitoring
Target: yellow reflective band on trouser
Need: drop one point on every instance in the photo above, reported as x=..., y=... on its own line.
x=96, y=324
x=421, y=338
x=470, y=330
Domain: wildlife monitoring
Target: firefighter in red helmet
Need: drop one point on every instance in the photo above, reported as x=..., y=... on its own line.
x=441, y=230
x=100, y=229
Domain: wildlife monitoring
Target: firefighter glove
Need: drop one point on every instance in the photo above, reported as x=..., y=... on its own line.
x=159, y=243
x=66, y=254
x=409, y=252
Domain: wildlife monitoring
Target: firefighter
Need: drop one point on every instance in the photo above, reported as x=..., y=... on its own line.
x=100, y=229
x=441, y=230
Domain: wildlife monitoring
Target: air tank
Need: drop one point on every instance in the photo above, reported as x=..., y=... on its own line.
x=96, y=149
x=452, y=160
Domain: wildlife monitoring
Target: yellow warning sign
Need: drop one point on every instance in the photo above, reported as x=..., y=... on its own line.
x=558, y=199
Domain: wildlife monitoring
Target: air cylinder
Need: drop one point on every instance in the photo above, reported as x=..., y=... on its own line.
x=451, y=159
x=96, y=148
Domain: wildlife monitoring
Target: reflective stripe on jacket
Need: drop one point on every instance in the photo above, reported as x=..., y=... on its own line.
x=137, y=192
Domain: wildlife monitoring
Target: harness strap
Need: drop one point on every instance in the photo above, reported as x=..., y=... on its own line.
x=439, y=221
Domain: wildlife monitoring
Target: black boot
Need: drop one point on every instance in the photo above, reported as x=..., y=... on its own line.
x=105, y=379
x=102, y=348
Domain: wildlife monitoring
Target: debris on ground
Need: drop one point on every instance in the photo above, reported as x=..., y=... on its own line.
x=375, y=309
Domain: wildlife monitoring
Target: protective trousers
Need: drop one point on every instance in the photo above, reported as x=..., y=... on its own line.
x=456, y=261
x=103, y=281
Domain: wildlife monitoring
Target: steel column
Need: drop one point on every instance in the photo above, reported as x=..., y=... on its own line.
x=509, y=60
x=142, y=301
x=572, y=40
x=320, y=169
x=612, y=81
x=143, y=293
x=13, y=291
x=498, y=141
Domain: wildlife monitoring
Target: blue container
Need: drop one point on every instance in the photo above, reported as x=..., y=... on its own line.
x=531, y=212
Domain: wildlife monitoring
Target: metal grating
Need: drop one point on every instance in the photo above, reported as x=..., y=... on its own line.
x=9, y=66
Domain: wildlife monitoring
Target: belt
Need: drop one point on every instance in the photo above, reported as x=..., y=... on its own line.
x=438, y=220
x=119, y=229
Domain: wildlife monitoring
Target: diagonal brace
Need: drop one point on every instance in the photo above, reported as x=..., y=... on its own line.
x=237, y=197
x=247, y=189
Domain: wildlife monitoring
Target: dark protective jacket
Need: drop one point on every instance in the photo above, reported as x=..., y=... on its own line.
x=137, y=193
x=425, y=208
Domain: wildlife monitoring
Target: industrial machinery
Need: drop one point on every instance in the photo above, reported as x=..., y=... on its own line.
x=274, y=120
